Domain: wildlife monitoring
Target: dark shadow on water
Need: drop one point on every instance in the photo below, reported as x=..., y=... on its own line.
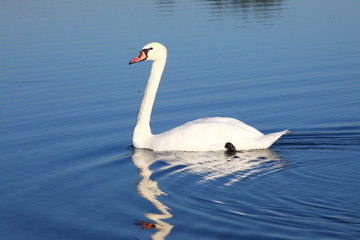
x=248, y=11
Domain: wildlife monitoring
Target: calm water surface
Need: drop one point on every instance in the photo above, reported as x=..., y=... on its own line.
x=69, y=101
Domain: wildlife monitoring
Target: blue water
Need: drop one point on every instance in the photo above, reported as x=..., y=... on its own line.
x=69, y=101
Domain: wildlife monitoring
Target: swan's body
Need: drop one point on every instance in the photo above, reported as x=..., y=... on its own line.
x=205, y=134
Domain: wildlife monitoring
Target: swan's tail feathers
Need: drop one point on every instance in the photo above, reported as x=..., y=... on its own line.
x=285, y=132
x=270, y=138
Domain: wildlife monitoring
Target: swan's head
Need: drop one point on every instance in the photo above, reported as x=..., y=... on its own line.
x=151, y=51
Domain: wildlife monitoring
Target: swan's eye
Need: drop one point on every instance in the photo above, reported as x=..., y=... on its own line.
x=146, y=50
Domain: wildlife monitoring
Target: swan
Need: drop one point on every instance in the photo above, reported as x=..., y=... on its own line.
x=204, y=134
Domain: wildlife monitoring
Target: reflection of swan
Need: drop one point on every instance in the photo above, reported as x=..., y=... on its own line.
x=214, y=165
x=149, y=190
x=210, y=165
x=206, y=134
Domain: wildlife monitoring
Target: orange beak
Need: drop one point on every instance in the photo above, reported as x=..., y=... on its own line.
x=142, y=56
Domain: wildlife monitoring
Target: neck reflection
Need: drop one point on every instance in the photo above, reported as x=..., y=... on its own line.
x=149, y=190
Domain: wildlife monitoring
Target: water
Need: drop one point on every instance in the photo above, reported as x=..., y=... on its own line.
x=69, y=101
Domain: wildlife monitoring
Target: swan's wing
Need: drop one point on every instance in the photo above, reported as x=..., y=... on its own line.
x=203, y=135
x=228, y=123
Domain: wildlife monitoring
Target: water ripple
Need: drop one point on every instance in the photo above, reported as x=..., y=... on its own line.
x=216, y=165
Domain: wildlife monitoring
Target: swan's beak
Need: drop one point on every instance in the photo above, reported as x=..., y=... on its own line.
x=142, y=56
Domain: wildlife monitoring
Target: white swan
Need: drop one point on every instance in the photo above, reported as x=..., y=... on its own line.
x=205, y=134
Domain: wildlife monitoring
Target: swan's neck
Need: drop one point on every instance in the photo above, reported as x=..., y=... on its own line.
x=142, y=130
